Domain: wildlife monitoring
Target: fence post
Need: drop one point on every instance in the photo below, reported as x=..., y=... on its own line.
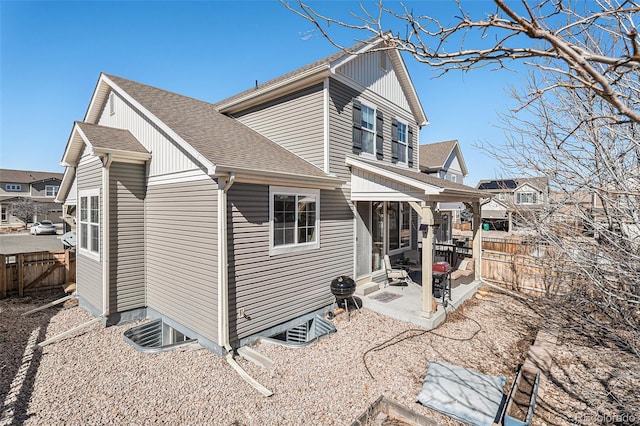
x=20, y=266
x=67, y=265
x=3, y=276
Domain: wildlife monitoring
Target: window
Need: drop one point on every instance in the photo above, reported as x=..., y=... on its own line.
x=4, y=217
x=90, y=223
x=294, y=219
x=402, y=142
x=526, y=198
x=501, y=196
x=51, y=190
x=368, y=129
x=13, y=187
x=454, y=178
x=399, y=219
x=112, y=103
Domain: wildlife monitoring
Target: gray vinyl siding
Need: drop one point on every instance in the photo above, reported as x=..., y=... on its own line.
x=88, y=270
x=167, y=157
x=295, y=122
x=181, y=253
x=126, y=246
x=275, y=289
x=341, y=124
x=366, y=69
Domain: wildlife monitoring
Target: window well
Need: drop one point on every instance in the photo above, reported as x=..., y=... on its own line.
x=155, y=336
x=303, y=334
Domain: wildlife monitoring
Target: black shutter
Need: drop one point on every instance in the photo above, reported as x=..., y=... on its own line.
x=379, y=135
x=357, y=126
x=394, y=140
x=409, y=146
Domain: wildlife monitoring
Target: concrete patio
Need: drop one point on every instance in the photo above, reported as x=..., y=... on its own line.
x=405, y=302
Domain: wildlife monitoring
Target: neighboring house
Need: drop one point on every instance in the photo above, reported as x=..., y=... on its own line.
x=445, y=161
x=522, y=195
x=230, y=220
x=40, y=187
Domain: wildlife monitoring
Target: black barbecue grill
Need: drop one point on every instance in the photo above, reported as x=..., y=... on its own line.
x=343, y=288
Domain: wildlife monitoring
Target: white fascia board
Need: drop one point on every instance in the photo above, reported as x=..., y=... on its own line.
x=428, y=189
x=65, y=185
x=278, y=178
x=348, y=57
x=168, y=130
x=272, y=91
x=463, y=164
x=123, y=156
x=74, y=140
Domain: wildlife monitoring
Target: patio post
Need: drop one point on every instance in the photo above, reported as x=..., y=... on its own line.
x=477, y=239
x=427, y=259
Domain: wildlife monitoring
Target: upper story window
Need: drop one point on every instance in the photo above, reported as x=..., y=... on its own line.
x=526, y=198
x=51, y=190
x=294, y=219
x=402, y=142
x=112, y=103
x=502, y=196
x=367, y=129
x=89, y=241
x=13, y=187
x=454, y=178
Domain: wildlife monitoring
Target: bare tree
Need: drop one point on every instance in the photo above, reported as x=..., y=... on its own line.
x=25, y=209
x=577, y=124
x=559, y=37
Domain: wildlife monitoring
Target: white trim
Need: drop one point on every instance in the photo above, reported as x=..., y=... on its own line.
x=177, y=177
x=326, y=118
x=404, y=163
x=88, y=193
x=283, y=190
x=377, y=98
x=168, y=130
x=428, y=189
x=374, y=131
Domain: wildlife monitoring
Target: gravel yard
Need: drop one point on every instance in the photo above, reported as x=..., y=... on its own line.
x=96, y=378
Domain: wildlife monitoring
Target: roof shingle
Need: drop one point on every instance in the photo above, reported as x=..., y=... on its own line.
x=111, y=138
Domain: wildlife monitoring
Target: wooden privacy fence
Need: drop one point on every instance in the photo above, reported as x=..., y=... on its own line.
x=43, y=270
x=526, y=267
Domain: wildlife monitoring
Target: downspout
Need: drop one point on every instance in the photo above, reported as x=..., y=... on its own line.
x=105, y=236
x=223, y=284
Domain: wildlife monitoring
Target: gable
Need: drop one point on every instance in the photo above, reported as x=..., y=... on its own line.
x=452, y=164
x=527, y=188
x=375, y=71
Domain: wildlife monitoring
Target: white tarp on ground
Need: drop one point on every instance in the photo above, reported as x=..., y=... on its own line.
x=465, y=395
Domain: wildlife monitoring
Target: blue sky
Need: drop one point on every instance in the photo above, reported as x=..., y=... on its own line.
x=51, y=55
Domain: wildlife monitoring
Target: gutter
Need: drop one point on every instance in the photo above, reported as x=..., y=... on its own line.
x=105, y=235
x=223, y=283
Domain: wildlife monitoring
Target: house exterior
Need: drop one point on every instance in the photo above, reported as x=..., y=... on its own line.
x=522, y=195
x=445, y=161
x=230, y=220
x=40, y=187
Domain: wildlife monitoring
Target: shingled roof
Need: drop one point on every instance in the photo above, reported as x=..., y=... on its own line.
x=110, y=138
x=220, y=139
x=433, y=156
x=26, y=176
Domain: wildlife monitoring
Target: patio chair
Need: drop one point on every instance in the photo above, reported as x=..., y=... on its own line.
x=399, y=277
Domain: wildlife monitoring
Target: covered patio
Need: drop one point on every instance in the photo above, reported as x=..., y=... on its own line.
x=376, y=183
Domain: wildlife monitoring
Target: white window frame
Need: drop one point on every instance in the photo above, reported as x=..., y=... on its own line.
x=112, y=103
x=86, y=251
x=533, y=196
x=54, y=189
x=387, y=235
x=502, y=196
x=13, y=187
x=366, y=154
x=454, y=178
x=403, y=144
x=5, y=214
x=299, y=192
